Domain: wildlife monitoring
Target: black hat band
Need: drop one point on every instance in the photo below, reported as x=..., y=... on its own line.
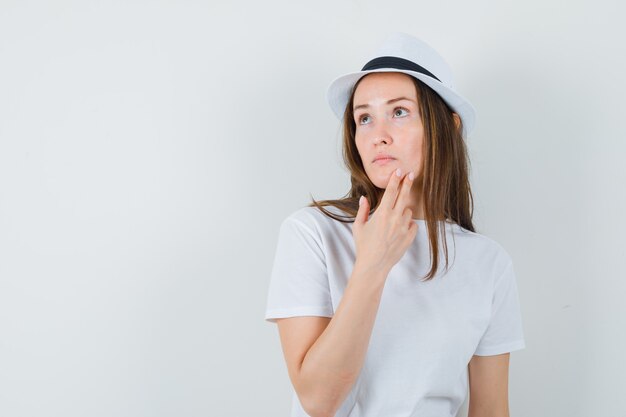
x=398, y=63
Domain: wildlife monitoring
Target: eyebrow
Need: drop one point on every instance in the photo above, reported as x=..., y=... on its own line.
x=393, y=100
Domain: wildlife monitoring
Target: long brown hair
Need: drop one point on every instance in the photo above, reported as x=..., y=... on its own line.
x=444, y=180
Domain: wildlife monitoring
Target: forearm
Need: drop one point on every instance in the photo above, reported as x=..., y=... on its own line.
x=334, y=361
x=495, y=409
x=474, y=413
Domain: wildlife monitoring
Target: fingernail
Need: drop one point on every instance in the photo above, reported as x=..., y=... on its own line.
x=398, y=172
x=411, y=176
x=361, y=200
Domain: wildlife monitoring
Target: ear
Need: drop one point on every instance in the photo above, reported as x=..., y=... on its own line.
x=457, y=120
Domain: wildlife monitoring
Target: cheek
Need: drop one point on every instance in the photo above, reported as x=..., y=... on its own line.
x=414, y=146
x=358, y=142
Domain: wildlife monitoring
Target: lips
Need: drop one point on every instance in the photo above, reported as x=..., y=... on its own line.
x=383, y=158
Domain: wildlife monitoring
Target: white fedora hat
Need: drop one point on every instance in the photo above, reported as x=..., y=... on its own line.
x=409, y=55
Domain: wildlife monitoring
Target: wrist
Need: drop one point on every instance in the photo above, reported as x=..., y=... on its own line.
x=373, y=272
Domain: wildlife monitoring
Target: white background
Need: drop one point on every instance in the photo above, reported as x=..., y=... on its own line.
x=149, y=151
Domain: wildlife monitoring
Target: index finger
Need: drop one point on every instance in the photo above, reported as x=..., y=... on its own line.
x=404, y=194
x=391, y=191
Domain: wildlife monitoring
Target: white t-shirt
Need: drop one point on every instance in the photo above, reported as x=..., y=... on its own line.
x=425, y=333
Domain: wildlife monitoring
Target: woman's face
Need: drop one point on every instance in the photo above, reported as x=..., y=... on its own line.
x=388, y=122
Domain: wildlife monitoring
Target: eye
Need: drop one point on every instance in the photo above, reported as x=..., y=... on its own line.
x=400, y=109
x=365, y=116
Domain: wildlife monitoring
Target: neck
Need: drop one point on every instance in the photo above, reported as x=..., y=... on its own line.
x=417, y=202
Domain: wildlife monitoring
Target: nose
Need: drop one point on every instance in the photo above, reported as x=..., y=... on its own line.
x=380, y=133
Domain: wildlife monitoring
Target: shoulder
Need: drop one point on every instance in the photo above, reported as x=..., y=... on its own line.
x=310, y=228
x=485, y=248
x=314, y=219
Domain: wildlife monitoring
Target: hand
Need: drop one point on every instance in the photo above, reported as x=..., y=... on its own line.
x=381, y=242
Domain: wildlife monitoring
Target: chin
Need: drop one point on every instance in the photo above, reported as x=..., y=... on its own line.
x=381, y=183
x=379, y=179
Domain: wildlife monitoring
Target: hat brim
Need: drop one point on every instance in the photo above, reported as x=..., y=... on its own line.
x=338, y=94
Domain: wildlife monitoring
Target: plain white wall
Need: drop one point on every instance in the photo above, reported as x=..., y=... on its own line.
x=150, y=149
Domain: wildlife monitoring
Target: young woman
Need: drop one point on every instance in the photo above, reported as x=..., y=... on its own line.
x=372, y=322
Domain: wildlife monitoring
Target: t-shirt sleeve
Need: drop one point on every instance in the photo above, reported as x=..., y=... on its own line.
x=505, y=331
x=299, y=279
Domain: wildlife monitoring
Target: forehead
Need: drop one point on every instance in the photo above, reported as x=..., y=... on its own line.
x=385, y=85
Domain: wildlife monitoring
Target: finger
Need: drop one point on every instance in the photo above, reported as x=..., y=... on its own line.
x=362, y=213
x=410, y=227
x=412, y=232
x=407, y=217
x=404, y=195
x=391, y=192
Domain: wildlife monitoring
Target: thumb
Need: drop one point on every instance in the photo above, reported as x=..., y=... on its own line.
x=363, y=213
